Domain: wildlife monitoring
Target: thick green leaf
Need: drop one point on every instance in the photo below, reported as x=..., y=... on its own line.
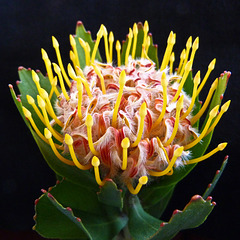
x=86, y=36
x=141, y=225
x=55, y=221
x=110, y=195
x=152, y=51
x=217, y=176
x=192, y=216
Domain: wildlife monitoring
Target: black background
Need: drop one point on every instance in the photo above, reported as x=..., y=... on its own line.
x=27, y=26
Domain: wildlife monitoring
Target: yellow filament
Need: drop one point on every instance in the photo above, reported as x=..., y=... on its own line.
x=89, y=124
x=142, y=114
x=210, y=68
x=42, y=105
x=164, y=83
x=51, y=112
x=48, y=135
x=54, y=88
x=36, y=80
x=172, y=59
x=125, y=145
x=212, y=115
x=194, y=48
x=31, y=101
x=220, y=147
x=165, y=153
x=80, y=91
x=179, y=107
x=79, y=78
x=177, y=153
x=56, y=47
x=182, y=57
x=73, y=59
x=206, y=103
x=105, y=36
x=170, y=43
x=135, y=34
x=74, y=48
x=95, y=48
x=69, y=142
x=47, y=64
x=118, y=49
x=122, y=80
x=130, y=36
x=96, y=163
x=58, y=71
x=188, y=68
x=86, y=49
x=98, y=72
x=224, y=108
x=188, y=47
x=145, y=32
x=196, y=82
x=111, y=40
x=141, y=181
x=147, y=45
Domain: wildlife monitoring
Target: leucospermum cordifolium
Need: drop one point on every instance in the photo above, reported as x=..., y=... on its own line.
x=129, y=123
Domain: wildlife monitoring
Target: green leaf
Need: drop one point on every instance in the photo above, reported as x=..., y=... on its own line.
x=55, y=221
x=101, y=221
x=217, y=176
x=110, y=195
x=141, y=225
x=152, y=51
x=86, y=36
x=192, y=216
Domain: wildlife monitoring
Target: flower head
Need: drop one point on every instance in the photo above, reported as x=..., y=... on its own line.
x=130, y=120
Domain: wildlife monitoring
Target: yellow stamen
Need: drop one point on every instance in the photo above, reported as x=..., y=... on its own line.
x=42, y=105
x=206, y=103
x=111, y=40
x=48, y=136
x=130, y=36
x=224, y=108
x=172, y=59
x=164, y=83
x=142, y=114
x=179, y=107
x=177, y=153
x=125, y=145
x=31, y=101
x=96, y=163
x=210, y=68
x=69, y=142
x=170, y=43
x=47, y=64
x=220, y=147
x=145, y=32
x=74, y=48
x=80, y=91
x=73, y=59
x=194, y=48
x=36, y=80
x=118, y=49
x=147, y=45
x=105, y=36
x=196, y=82
x=79, y=78
x=98, y=72
x=141, y=181
x=89, y=124
x=122, y=80
x=49, y=107
x=188, y=46
x=95, y=48
x=54, y=88
x=165, y=153
x=58, y=71
x=86, y=49
x=212, y=114
x=188, y=68
x=135, y=34
x=182, y=57
x=56, y=47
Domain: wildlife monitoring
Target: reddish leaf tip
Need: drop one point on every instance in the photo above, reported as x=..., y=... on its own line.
x=20, y=68
x=43, y=190
x=10, y=86
x=209, y=198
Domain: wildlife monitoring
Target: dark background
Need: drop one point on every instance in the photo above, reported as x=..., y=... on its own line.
x=27, y=26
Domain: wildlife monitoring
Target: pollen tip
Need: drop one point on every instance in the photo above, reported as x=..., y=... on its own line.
x=55, y=42
x=40, y=101
x=178, y=151
x=214, y=111
x=125, y=143
x=221, y=146
x=89, y=120
x=26, y=112
x=47, y=133
x=30, y=99
x=68, y=139
x=143, y=110
x=226, y=105
x=95, y=161
x=143, y=180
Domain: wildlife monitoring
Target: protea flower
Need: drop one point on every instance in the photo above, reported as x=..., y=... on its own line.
x=129, y=120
